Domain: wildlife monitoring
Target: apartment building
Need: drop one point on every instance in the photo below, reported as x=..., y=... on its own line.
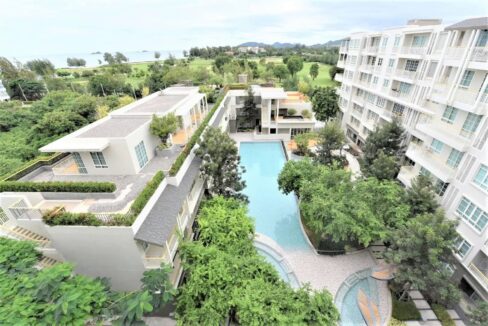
x=433, y=78
x=3, y=93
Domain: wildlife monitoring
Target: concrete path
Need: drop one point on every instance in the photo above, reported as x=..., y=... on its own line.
x=428, y=315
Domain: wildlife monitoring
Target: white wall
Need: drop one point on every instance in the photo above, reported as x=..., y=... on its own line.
x=150, y=142
x=117, y=157
x=101, y=252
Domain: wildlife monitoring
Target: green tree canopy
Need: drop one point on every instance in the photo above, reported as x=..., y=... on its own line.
x=479, y=315
x=163, y=126
x=421, y=196
x=220, y=163
x=383, y=167
x=422, y=249
x=324, y=103
x=42, y=67
x=280, y=71
x=294, y=64
x=314, y=70
x=330, y=139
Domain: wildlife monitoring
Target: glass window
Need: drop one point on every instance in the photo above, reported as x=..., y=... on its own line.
x=380, y=102
x=467, y=78
x=419, y=41
x=398, y=109
x=384, y=41
x=472, y=214
x=471, y=123
x=449, y=114
x=375, y=80
x=481, y=177
x=397, y=40
x=455, y=158
x=432, y=68
x=98, y=160
x=391, y=62
x=424, y=171
x=482, y=38
x=141, y=154
x=404, y=88
x=462, y=246
x=411, y=65
x=436, y=145
x=386, y=82
x=79, y=163
x=380, y=61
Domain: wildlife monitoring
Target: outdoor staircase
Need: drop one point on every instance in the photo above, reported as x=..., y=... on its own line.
x=20, y=233
x=46, y=262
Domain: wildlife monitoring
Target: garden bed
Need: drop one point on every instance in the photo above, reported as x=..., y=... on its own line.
x=404, y=310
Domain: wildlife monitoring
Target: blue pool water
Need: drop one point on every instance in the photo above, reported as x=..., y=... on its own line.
x=275, y=213
x=350, y=313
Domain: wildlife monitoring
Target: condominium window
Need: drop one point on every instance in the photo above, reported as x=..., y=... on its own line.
x=79, y=163
x=455, y=158
x=380, y=102
x=384, y=42
x=380, y=61
x=398, y=109
x=372, y=115
x=141, y=154
x=472, y=214
x=424, y=171
x=460, y=38
x=440, y=187
x=353, y=59
x=359, y=92
x=365, y=131
x=354, y=121
x=467, y=78
x=98, y=160
x=482, y=38
x=3, y=216
x=436, y=145
x=462, y=246
x=386, y=82
x=471, y=123
x=397, y=41
x=419, y=41
x=375, y=80
x=404, y=88
x=357, y=109
x=449, y=114
x=391, y=63
x=371, y=98
x=432, y=68
x=481, y=177
x=411, y=65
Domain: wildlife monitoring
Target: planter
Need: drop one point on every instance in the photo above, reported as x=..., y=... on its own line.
x=169, y=151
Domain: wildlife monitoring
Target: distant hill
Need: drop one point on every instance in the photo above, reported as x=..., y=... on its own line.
x=279, y=45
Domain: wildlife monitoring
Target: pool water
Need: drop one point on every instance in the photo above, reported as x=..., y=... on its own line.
x=276, y=214
x=350, y=313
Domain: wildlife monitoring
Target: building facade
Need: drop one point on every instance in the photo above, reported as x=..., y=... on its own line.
x=433, y=78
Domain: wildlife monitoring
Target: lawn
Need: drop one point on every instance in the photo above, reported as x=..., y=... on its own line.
x=323, y=79
x=404, y=310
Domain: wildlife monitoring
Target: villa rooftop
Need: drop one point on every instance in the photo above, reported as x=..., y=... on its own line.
x=160, y=104
x=114, y=127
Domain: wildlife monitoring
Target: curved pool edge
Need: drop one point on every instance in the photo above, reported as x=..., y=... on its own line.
x=273, y=249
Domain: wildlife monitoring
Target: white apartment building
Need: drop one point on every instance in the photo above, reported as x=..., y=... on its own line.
x=3, y=93
x=432, y=77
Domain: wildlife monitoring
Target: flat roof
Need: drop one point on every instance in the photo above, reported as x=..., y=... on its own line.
x=114, y=127
x=76, y=145
x=159, y=104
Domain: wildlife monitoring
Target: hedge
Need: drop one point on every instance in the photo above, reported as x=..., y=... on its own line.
x=56, y=186
x=443, y=316
x=404, y=310
x=237, y=86
x=58, y=216
x=195, y=137
x=146, y=193
x=33, y=165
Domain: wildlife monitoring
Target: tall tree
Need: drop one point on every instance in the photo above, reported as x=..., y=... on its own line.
x=157, y=54
x=324, y=103
x=383, y=167
x=422, y=249
x=42, y=67
x=421, y=196
x=163, y=126
x=314, y=70
x=280, y=71
x=220, y=163
x=294, y=64
x=330, y=138
x=389, y=138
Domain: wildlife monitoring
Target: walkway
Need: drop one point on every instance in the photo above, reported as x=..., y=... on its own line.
x=427, y=314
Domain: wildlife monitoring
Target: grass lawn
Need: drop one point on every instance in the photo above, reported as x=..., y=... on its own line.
x=323, y=79
x=443, y=316
x=404, y=310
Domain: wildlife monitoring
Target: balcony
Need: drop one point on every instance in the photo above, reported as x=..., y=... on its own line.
x=407, y=174
x=480, y=54
x=454, y=53
x=412, y=75
x=372, y=49
x=479, y=268
x=439, y=92
x=341, y=63
x=443, y=132
x=413, y=50
x=401, y=95
x=366, y=67
x=343, y=49
x=339, y=77
x=430, y=160
x=467, y=99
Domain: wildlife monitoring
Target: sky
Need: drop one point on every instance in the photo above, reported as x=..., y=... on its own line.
x=41, y=27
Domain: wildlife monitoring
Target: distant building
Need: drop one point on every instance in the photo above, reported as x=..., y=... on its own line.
x=250, y=49
x=3, y=93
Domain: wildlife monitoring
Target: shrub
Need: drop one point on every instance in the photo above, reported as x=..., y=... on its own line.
x=146, y=193
x=76, y=74
x=121, y=220
x=442, y=314
x=194, y=138
x=291, y=112
x=32, y=165
x=87, y=73
x=56, y=186
x=63, y=73
x=404, y=310
x=306, y=114
x=395, y=322
x=58, y=216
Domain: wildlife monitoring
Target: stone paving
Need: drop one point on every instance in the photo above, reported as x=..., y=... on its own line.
x=429, y=318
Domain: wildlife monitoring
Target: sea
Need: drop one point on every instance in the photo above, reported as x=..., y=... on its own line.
x=95, y=59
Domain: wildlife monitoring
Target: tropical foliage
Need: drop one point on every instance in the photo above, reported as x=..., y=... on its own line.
x=163, y=126
x=227, y=277
x=325, y=103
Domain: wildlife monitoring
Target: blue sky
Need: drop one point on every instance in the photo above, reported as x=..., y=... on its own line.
x=39, y=27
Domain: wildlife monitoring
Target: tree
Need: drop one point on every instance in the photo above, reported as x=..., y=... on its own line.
x=330, y=138
x=220, y=164
x=163, y=126
x=106, y=84
x=294, y=173
x=324, y=103
x=302, y=141
x=421, y=249
x=421, y=196
x=314, y=70
x=25, y=89
x=76, y=62
x=157, y=283
x=220, y=61
x=294, y=64
x=383, y=167
x=157, y=54
x=389, y=138
x=334, y=70
x=479, y=315
x=247, y=115
x=42, y=67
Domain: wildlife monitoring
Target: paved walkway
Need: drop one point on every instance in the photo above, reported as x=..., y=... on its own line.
x=426, y=312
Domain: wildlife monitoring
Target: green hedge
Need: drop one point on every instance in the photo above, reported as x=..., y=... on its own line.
x=33, y=165
x=56, y=186
x=404, y=310
x=442, y=314
x=146, y=193
x=237, y=86
x=58, y=216
x=195, y=137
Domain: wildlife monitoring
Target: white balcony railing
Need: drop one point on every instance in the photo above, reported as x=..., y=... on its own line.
x=480, y=54
x=414, y=50
x=372, y=49
x=482, y=277
x=339, y=77
x=406, y=73
x=367, y=67
x=454, y=53
x=401, y=95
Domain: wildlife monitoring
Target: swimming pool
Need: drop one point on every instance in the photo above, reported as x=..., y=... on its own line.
x=276, y=214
